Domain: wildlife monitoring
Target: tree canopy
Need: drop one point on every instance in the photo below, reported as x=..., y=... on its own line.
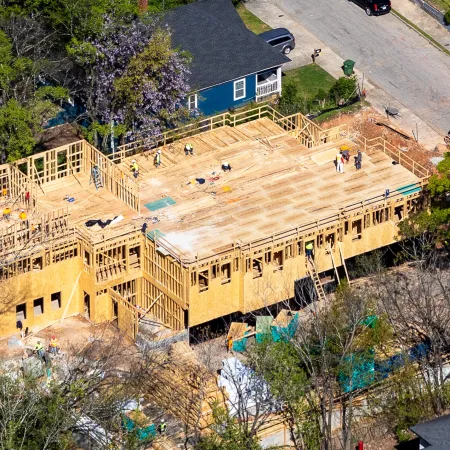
x=114, y=61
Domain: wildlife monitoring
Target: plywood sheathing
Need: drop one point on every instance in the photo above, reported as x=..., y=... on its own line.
x=273, y=188
x=275, y=184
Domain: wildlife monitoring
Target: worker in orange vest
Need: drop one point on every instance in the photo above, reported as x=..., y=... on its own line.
x=54, y=345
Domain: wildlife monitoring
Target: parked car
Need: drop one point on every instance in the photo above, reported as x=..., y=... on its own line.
x=280, y=38
x=374, y=7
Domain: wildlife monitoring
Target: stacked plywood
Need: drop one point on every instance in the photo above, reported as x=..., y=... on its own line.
x=185, y=387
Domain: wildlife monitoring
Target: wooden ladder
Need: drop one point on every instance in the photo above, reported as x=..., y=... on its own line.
x=316, y=280
x=330, y=249
x=96, y=178
x=343, y=261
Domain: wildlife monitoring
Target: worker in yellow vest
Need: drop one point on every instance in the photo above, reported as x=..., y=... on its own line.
x=157, y=160
x=189, y=149
x=309, y=249
x=134, y=168
x=7, y=213
x=23, y=215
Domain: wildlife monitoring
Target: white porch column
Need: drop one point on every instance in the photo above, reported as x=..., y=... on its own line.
x=279, y=79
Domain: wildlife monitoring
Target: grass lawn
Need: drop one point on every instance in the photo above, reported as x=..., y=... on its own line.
x=252, y=22
x=443, y=5
x=309, y=79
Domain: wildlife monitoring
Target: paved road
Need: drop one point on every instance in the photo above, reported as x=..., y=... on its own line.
x=395, y=57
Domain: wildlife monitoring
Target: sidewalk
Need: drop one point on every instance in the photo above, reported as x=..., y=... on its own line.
x=332, y=63
x=424, y=21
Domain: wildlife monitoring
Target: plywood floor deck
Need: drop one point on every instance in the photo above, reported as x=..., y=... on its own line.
x=275, y=184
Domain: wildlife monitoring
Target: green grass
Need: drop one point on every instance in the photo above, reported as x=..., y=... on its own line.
x=252, y=22
x=309, y=79
x=443, y=5
x=350, y=109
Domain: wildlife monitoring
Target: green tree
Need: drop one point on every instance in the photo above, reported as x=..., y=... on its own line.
x=430, y=227
x=344, y=89
x=279, y=364
x=447, y=17
x=226, y=434
x=76, y=18
x=25, y=104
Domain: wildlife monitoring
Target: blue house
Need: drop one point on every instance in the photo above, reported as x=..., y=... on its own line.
x=230, y=65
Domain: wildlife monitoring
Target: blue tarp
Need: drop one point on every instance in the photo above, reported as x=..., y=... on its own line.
x=409, y=189
x=285, y=333
x=154, y=234
x=141, y=433
x=159, y=204
x=362, y=369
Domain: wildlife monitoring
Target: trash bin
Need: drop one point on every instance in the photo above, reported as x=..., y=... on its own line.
x=348, y=67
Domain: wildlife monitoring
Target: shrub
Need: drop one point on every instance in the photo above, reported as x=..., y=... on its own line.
x=447, y=17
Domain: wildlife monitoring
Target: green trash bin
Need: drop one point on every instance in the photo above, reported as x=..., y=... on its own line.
x=348, y=67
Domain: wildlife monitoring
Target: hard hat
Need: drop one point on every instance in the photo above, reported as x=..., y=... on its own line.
x=53, y=337
x=159, y=151
x=133, y=161
x=22, y=210
x=162, y=420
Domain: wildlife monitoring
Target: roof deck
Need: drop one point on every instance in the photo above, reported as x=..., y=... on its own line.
x=275, y=184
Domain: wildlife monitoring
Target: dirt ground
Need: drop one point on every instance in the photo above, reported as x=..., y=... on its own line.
x=73, y=334
x=368, y=123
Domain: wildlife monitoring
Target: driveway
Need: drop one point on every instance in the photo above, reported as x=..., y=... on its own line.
x=394, y=57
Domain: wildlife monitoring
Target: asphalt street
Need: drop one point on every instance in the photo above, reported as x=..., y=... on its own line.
x=391, y=54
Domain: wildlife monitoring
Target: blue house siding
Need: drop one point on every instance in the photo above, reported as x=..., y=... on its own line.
x=220, y=98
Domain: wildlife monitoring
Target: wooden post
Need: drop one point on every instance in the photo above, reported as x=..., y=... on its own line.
x=71, y=296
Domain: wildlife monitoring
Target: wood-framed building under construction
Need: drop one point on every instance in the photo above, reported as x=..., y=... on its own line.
x=214, y=242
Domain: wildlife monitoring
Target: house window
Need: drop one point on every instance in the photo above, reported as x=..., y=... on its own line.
x=239, y=89
x=38, y=306
x=192, y=101
x=21, y=311
x=56, y=300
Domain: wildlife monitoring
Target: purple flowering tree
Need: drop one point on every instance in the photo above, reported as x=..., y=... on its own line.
x=131, y=78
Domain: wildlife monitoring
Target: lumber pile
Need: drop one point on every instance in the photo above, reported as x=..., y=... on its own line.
x=185, y=387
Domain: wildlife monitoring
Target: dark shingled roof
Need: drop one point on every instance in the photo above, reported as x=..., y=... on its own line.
x=222, y=48
x=436, y=432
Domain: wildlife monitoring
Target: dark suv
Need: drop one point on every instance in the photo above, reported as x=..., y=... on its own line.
x=374, y=7
x=280, y=38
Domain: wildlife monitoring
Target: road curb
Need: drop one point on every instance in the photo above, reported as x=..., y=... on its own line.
x=414, y=27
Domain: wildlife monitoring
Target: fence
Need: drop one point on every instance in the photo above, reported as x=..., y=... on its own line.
x=309, y=133
x=433, y=12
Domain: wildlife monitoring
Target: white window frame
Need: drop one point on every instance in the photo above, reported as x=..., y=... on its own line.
x=234, y=89
x=195, y=101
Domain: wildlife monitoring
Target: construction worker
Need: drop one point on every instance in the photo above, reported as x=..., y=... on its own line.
x=4, y=192
x=39, y=349
x=162, y=427
x=7, y=213
x=134, y=168
x=189, y=149
x=339, y=162
x=309, y=249
x=157, y=160
x=54, y=345
x=27, y=198
x=358, y=160
x=226, y=167
x=23, y=215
